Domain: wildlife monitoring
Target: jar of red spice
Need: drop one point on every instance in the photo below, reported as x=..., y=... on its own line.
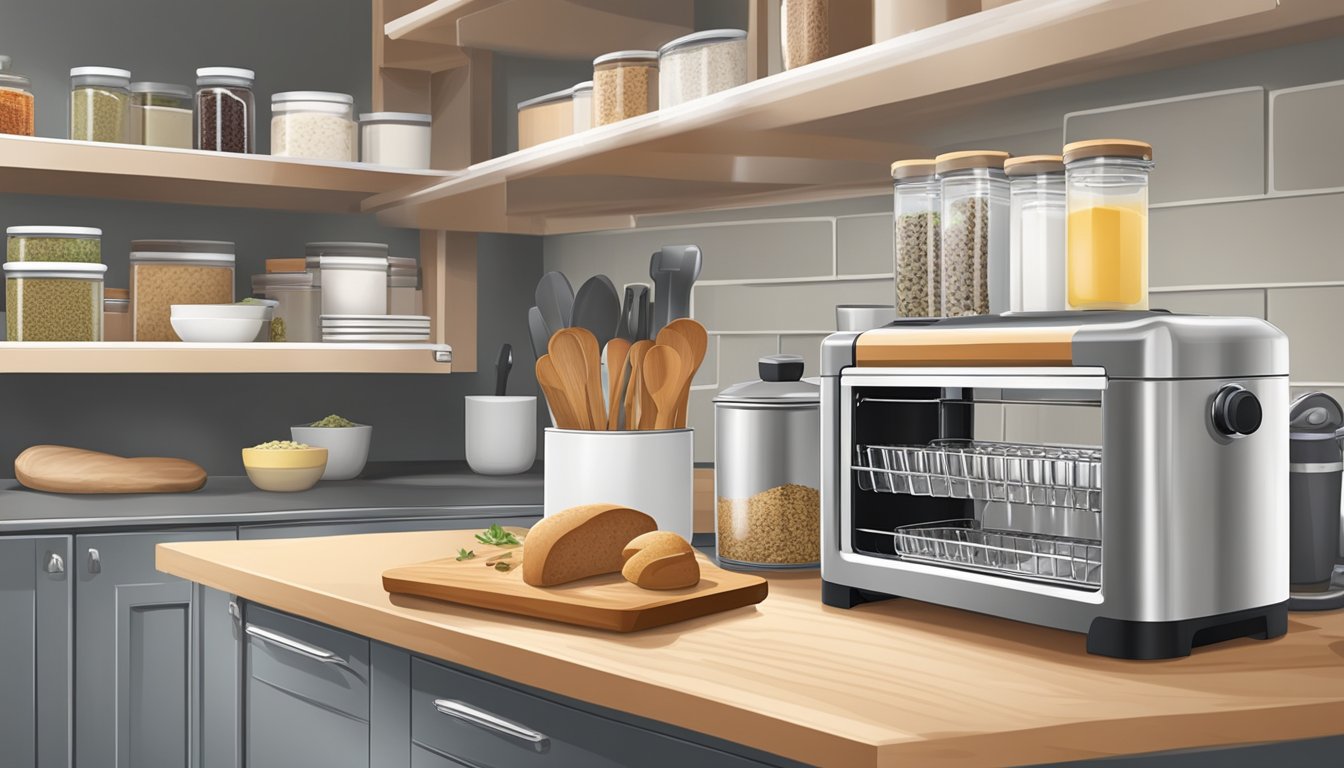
x=226, y=114
x=16, y=104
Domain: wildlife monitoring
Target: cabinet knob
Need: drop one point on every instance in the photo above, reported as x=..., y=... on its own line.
x=55, y=563
x=95, y=561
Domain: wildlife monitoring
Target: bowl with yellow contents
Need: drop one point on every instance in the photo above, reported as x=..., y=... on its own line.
x=284, y=465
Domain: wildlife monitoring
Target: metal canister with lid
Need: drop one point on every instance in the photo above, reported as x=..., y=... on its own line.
x=767, y=468
x=1315, y=468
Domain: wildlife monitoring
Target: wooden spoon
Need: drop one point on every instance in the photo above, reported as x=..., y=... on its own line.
x=698, y=340
x=617, y=351
x=671, y=337
x=592, y=365
x=566, y=352
x=663, y=377
x=554, y=389
x=633, y=398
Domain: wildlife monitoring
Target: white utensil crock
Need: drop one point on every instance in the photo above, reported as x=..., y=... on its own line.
x=501, y=434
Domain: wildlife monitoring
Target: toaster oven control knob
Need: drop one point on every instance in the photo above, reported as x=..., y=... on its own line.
x=1236, y=411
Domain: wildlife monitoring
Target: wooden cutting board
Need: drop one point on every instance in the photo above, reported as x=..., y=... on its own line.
x=603, y=602
x=58, y=469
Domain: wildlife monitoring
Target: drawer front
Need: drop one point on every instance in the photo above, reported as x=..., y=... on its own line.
x=460, y=719
x=312, y=663
x=285, y=731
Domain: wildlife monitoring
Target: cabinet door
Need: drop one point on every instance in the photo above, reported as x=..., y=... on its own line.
x=137, y=681
x=221, y=633
x=35, y=623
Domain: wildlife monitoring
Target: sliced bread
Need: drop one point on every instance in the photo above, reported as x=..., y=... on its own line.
x=580, y=542
x=660, y=560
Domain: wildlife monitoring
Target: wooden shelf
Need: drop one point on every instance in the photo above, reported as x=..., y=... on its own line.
x=43, y=166
x=179, y=357
x=831, y=129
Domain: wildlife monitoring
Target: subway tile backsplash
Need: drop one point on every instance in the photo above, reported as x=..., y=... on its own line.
x=1305, y=126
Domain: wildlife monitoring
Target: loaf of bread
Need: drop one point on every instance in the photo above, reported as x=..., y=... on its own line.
x=580, y=542
x=660, y=560
x=58, y=469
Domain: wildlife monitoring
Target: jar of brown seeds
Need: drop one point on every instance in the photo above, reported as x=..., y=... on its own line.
x=975, y=232
x=168, y=272
x=917, y=238
x=625, y=84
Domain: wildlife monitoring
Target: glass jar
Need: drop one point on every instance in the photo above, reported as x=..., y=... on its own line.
x=1107, y=182
x=396, y=139
x=100, y=104
x=582, y=96
x=767, y=468
x=545, y=118
x=116, y=314
x=53, y=301
x=316, y=125
x=403, y=286
x=1036, y=256
x=43, y=243
x=975, y=230
x=701, y=63
x=161, y=115
x=226, y=110
x=168, y=272
x=16, y=104
x=298, y=305
x=625, y=84
x=804, y=31
x=917, y=238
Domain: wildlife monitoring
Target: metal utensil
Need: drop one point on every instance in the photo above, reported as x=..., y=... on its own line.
x=597, y=307
x=644, y=318
x=635, y=295
x=555, y=299
x=536, y=327
x=502, y=368
x=674, y=270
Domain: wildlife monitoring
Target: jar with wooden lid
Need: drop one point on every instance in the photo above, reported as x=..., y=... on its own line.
x=1036, y=262
x=1107, y=230
x=625, y=84
x=975, y=232
x=917, y=238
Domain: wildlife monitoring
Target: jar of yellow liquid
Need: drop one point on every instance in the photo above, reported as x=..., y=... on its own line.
x=1107, y=227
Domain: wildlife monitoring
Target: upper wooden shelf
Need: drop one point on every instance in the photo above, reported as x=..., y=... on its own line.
x=831, y=129
x=44, y=166
x=179, y=357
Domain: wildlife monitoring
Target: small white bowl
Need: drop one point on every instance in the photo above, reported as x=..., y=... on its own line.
x=347, y=447
x=230, y=311
x=225, y=330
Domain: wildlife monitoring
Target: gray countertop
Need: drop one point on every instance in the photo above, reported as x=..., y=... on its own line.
x=400, y=490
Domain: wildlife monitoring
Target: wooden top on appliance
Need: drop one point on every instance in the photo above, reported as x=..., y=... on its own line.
x=886, y=684
x=982, y=346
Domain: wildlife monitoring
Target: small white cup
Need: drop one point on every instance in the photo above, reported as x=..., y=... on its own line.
x=501, y=434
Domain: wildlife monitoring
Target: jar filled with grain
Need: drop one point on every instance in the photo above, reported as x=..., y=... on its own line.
x=1107, y=229
x=54, y=301
x=45, y=243
x=767, y=468
x=545, y=118
x=975, y=232
x=168, y=272
x=161, y=115
x=625, y=84
x=316, y=125
x=298, y=305
x=701, y=63
x=17, y=106
x=100, y=104
x=226, y=110
x=917, y=238
x=1036, y=260
x=116, y=314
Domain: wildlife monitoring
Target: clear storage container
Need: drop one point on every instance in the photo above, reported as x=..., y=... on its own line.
x=100, y=104
x=975, y=232
x=897, y=17
x=53, y=301
x=917, y=238
x=1036, y=256
x=767, y=468
x=403, y=286
x=316, y=125
x=116, y=314
x=161, y=115
x=226, y=110
x=812, y=30
x=168, y=272
x=298, y=305
x=545, y=118
x=397, y=139
x=353, y=277
x=1107, y=182
x=43, y=243
x=625, y=84
x=17, y=105
x=701, y=63
x=583, y=106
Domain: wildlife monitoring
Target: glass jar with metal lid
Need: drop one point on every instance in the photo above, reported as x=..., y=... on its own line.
x=767, y=468
x=226, y=109
x=1107, y=183
x=168, y=272
x=1036, y=263
x=100, y=104
x=975, y=232
x=161, y=115
x=54, y=301
x=625, y=84
x=17, y=105
x=47, y=243
x=917, y=239
x=701, y=63
x=316, y=125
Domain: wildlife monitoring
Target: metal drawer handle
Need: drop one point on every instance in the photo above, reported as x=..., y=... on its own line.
x=95, y=561
x=490, y=722
x=294, y=646
x=55, y=563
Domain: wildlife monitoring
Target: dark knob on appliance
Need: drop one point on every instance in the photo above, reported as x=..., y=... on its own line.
x=1236, y=411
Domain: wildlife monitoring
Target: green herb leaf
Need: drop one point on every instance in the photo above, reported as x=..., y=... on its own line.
x=465, y=554
x=504, y=567
x=495, y=535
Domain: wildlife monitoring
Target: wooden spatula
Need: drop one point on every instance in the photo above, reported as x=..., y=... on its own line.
x=663, y=377
x=554, y=388
x=698, y=341
x=566, y=353
x=633, y=398
x=592, y=366
x=618, y=350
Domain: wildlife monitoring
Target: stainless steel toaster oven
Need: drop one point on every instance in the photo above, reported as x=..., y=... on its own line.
x=1122, y=474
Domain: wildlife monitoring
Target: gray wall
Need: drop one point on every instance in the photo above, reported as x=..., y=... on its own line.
x=293, y=44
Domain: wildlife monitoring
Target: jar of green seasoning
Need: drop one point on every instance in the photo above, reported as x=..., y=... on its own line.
x=54, y=301
x=40, y=243
x=100, y=104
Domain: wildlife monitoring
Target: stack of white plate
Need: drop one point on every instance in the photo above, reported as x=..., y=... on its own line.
x=366, y=328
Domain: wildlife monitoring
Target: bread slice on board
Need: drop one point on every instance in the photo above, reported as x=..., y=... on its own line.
x=57, y=469
x=660, y=560
x=580, y=542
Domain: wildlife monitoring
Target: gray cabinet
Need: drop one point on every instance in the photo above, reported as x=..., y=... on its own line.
x=35, y=627
x=137, y=680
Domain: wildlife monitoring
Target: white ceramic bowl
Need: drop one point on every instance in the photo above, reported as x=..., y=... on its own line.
x=231, y=311
x=224, y=330
x=347, y=447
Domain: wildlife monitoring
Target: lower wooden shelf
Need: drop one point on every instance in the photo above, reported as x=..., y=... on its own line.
x=181, y=357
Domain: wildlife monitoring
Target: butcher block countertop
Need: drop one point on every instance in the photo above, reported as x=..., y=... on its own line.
x=885, y=684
